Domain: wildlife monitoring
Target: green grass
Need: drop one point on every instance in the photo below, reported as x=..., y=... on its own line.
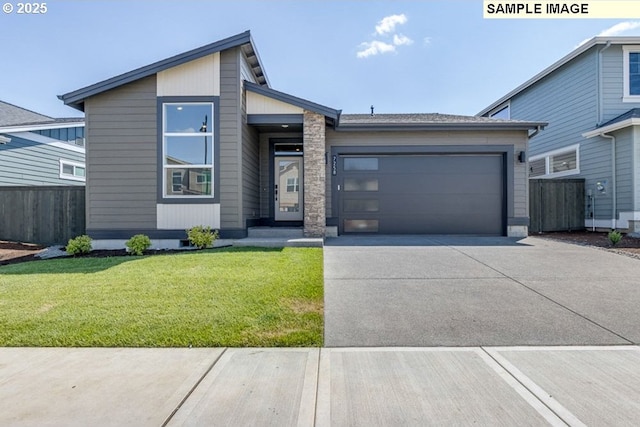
x=222, y=297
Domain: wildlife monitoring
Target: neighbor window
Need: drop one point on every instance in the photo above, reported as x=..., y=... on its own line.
x=631, y=73
x=72, y=170
x=557, y=163
x=502, y=112
x=187, y=149
x=293, y=185
x=72, y=135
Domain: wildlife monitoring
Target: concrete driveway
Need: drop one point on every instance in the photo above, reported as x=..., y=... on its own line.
x=475, y=291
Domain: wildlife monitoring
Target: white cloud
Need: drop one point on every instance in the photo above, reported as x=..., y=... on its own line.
x=616, y=30
x=400, y=40
x=388, y=23
x=620, y=28
x=374, y=48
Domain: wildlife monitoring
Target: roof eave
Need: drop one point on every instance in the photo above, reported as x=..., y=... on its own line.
x=633, y=121
x=293, y=100
x=76, y=98
x=524, y=126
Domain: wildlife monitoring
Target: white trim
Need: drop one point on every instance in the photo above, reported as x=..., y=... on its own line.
x=210, y=133
x=549, y=154
x=499, y=108
x=626, y=96
x=30, y=128
x=36, y=137
x=634, y=121
x=75, y=165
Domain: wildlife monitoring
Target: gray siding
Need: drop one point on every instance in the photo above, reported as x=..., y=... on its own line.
x=230, y=136
x=613, y=87
x=250, y=168
x=121, y=133
x=624, y=169
x=27, y=162
x=636, y=172
x=566, y=99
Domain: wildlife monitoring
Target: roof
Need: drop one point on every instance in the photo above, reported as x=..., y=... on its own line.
x=76, y=98
x=568, y=58
x=18, y=119
x=12, y=115
x=430, y=121
x=630, y=118
x=329, y=112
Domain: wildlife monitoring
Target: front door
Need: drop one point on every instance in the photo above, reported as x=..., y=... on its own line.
x=288, y=188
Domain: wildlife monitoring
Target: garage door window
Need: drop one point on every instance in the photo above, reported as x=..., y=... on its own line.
x=361, y=225
x=361, y=205
x=361, y=164
x=361, y=184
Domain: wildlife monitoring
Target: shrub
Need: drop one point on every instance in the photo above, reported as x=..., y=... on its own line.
x=614, y=237
x=138, y=244
x=79, y=245
x=202, y=237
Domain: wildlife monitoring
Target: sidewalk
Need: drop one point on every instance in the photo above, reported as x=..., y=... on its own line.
x=328, y=386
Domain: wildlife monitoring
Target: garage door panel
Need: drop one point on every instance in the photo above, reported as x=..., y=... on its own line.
x=425, y=194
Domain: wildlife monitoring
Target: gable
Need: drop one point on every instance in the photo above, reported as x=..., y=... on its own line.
x=260, y=104
x=200, y=77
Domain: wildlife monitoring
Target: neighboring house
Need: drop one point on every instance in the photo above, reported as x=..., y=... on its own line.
x=591, y=100
x=39, y=150
x=201, y=138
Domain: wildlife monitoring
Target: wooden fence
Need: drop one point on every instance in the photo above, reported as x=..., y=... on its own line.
x=556, y=205
x=44, y=215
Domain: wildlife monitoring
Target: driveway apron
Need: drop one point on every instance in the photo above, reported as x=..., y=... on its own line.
x=476, y=291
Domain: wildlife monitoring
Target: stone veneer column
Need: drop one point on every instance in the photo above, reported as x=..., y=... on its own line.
x=314, y=175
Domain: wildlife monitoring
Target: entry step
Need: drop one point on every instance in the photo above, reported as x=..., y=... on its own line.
x=275, y=232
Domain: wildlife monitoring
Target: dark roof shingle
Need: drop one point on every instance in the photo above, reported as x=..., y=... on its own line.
x=12, y=115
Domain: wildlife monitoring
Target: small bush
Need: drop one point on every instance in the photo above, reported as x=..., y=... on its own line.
x=614, y=237
x=202, y=237
x=138, y=244
x=79, y=245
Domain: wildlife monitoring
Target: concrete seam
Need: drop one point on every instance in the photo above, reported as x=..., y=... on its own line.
x=544, y=296
x=315, y=407
x=550, y=403
x=195, y=386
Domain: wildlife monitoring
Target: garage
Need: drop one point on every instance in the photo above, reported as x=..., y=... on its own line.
x=416, y=193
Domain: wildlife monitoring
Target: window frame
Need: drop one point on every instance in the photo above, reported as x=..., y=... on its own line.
x=548, y=167
x=214, y=167
x=626, y=95
x=75, y=165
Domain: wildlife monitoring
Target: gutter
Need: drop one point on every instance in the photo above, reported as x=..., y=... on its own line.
x=614, y=204
x=535, y=132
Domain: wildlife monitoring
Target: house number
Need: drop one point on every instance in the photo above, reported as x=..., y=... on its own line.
x=334, y=165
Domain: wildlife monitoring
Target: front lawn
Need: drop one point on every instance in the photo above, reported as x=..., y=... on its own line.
x=221, y=297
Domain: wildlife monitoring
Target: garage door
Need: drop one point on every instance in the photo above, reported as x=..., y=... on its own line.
x=422, y=194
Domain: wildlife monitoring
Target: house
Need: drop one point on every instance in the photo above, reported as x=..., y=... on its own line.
x=37, y=150
x=202, y=139
x=591, y=100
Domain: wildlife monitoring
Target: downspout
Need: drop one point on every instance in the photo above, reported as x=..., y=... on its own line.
x=600, y=99
x=614, y=205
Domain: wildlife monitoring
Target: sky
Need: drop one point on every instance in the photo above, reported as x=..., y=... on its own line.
x=400, y=56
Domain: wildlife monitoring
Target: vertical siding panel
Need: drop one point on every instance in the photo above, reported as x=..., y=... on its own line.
x=250, y=166
x=110, y=134
x=230, y=146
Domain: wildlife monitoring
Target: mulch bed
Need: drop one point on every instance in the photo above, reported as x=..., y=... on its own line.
x=626, y=246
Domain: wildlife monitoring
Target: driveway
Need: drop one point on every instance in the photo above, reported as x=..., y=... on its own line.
x=476, y=291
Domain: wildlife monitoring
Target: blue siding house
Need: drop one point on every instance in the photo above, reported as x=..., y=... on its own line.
x=38, y=150
x=591, y=100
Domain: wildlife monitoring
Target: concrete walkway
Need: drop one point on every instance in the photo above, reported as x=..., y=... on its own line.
x=473, y=291
x=322, y=387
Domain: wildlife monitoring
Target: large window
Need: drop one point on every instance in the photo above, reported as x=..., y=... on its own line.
x=72, y=135
x=187, y=149
x=631, y=73
x=554, y=164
